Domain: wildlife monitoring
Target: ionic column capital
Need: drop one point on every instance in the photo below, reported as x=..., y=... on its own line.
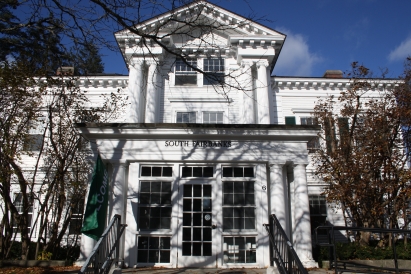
x=246, y=63
x=262, y=63
x=275, y=166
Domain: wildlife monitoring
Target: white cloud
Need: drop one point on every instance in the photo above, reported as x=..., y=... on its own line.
x=402, y=51
x=295, y=57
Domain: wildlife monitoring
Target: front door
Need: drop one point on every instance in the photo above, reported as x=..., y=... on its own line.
x=196, y=228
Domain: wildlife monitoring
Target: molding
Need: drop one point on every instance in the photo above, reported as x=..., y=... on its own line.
x=327, y=83
x=202, y=100
x=302, y=110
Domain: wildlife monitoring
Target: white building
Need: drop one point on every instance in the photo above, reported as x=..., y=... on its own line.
x=197, y=170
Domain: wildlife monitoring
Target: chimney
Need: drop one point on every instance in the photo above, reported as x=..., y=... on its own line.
x=65, y=71
x=333, y=74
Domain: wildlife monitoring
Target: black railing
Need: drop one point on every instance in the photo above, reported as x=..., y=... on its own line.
x=283, y=253
x=106, y=252
x=379, y=234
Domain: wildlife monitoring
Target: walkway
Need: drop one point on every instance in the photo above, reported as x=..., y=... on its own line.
x=150, y=270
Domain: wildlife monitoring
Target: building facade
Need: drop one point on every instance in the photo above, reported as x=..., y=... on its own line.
x=200, y=161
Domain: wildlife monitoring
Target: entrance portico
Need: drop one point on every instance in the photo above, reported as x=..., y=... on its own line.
x=196, y=195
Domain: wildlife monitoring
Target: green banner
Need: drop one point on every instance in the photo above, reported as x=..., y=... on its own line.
x=96, y=210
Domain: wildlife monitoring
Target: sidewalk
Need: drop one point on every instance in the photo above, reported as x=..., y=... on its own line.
x=150, y=270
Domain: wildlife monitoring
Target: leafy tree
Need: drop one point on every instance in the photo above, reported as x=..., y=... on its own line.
x=363, y=159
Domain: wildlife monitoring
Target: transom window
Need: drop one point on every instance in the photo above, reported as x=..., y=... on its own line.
x=197, y=171
x=238, y=171
x=185, y=73
x=212, y=117
x=157, y=171
x=186, y=117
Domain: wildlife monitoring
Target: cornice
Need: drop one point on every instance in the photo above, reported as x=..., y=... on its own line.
x=327, y=83
x=109, y=81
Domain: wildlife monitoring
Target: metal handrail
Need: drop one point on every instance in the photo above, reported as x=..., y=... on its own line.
x=330, y=232
x=283, y=253
x=101, y=258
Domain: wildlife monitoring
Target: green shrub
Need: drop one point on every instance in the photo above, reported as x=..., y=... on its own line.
x=352, y=251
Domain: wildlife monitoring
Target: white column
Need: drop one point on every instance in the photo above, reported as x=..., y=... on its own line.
x=135, y=93
x=263, y=110
x=302, y=229
x=130, y=243
x=248, y=115
x=278, y=194
x=86, y=246
x=118, y=205
x=152, y=91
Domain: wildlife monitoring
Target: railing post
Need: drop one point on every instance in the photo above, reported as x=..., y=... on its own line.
x=118, y=242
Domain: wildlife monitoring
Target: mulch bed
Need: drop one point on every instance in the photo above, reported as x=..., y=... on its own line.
x=39, y=270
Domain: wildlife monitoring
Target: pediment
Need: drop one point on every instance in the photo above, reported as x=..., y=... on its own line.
x=199, y=23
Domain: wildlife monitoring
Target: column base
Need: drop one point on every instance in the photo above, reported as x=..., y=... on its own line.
x=310, y=264
x=273, y=270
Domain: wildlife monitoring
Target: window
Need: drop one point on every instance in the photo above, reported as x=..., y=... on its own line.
x=238, y=171
x=197, y=171
x=77, y=215
x=18, y=203
x=238, y=205
x=155, y=205
x=314, y=144
x=186, y=117
x=214, y=71
x=344, y=130
x=185, y=73
x=157, y=171
x=212, y=117
x=290, y=120
x=318, y=212
x=310, y=121
x=153, y=250
x=239, y=250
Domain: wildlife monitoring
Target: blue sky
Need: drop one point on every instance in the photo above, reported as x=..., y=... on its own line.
x=327, y=34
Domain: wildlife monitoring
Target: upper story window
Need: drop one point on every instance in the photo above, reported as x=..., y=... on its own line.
x=185, y=73
x=314, y=144
x=186, y=117
x=312, y=121
x=214, y=68
x=212, y=117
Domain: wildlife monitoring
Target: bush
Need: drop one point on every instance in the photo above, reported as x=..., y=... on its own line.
x=355, y=251
x=65, y=253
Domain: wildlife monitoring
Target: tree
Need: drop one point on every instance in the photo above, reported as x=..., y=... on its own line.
x=363, y=158
x=95, y=20
x=37, y=126
x=86, y=59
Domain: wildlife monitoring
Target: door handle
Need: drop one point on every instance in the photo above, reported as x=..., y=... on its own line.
x=213, y=226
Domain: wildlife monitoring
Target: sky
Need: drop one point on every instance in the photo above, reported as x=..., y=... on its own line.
x=326, y=34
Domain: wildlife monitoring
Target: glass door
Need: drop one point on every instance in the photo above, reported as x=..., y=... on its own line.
x=196, y=228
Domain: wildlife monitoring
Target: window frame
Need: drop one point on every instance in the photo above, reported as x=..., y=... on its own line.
x=190, y=119
x=217, y=113
x=182, y=70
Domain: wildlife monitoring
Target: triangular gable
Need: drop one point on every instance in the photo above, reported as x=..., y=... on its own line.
x=237, y=30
